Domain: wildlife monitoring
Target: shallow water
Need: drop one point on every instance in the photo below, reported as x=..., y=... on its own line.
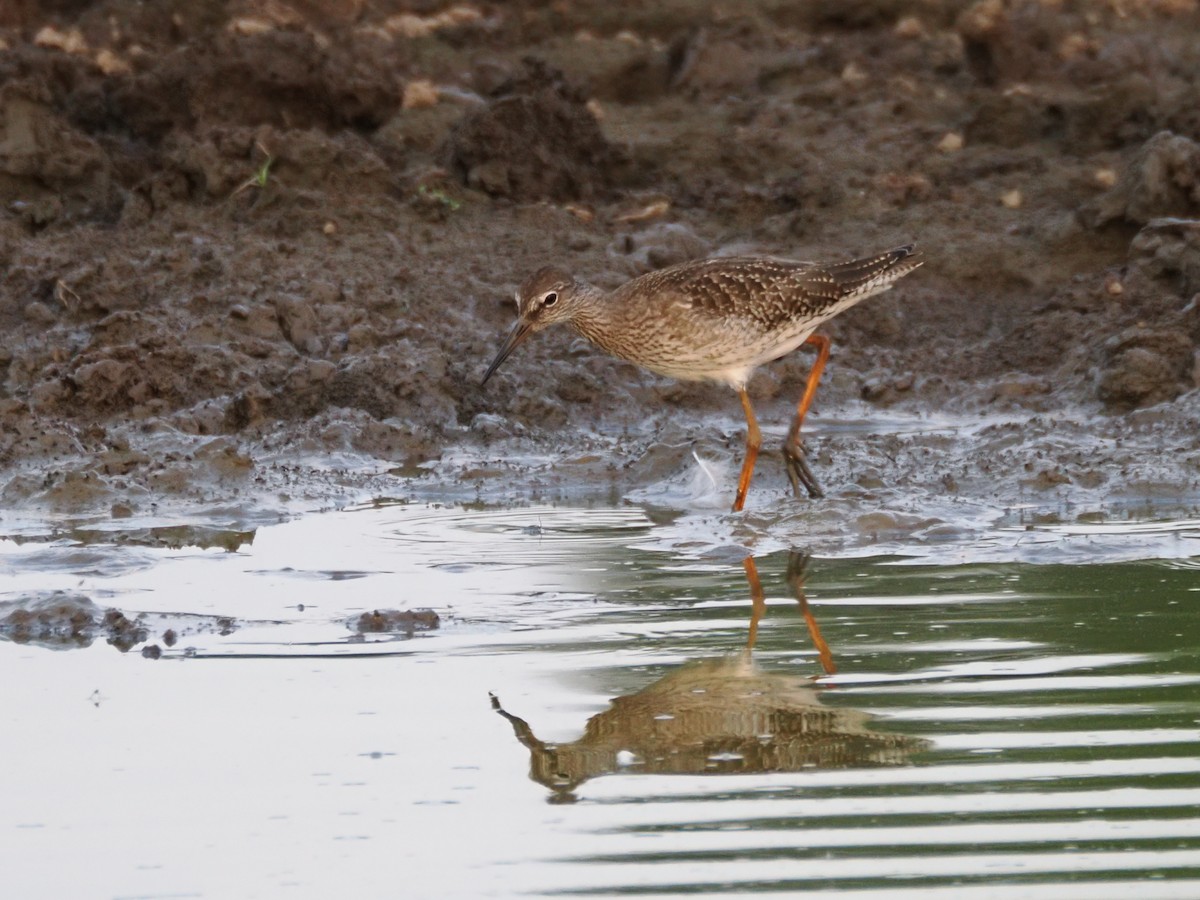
x=992, y=728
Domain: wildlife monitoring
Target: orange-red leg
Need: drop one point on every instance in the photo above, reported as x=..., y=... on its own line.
x=797, y=563
x=753, y=443
x=793, y=449
x=758, y=600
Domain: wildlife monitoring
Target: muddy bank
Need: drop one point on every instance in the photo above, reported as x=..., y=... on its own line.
x=256, y=257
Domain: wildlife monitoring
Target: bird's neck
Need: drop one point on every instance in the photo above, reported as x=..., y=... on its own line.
x=594, y=317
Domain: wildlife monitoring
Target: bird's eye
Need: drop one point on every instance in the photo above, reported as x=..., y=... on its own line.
x=550, y=299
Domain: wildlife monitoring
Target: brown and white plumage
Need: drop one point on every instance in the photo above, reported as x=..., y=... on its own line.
x=717, y=319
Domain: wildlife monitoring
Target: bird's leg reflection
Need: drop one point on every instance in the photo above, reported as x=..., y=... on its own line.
x=758, y=601
x=797, y=567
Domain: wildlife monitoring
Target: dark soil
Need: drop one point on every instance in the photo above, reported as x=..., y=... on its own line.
x=239, y=238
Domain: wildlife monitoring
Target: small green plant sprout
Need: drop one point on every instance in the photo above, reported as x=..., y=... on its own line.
x=438, y=196
x=261, y=175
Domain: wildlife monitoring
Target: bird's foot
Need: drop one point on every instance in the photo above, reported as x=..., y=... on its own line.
x=795, y=455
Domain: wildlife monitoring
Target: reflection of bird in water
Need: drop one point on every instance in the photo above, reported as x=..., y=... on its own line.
x=718, y=716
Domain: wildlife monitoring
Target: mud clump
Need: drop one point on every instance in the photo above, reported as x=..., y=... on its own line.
x=121, y=631
x=59, y=620
x=1153, y=358
x=1163, y=180
x=535, y=139
x=48, y=167
x=396, y=621
x=63, y=620
x=1169, y=249
x=1146, y=367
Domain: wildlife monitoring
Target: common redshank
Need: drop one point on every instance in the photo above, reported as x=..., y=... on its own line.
x=714, y=319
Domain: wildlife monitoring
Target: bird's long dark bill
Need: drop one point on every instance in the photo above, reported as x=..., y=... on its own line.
x=519, y=332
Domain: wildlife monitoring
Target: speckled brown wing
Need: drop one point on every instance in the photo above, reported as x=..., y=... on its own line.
x=765, y=293
x=721, y=318
x=773, y=293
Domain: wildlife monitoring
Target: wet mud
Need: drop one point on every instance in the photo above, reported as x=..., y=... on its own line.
x=61, y=620
x=255, y=257
x=395, y=621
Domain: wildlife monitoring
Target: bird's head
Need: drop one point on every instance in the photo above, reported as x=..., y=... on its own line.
x=545, y=297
